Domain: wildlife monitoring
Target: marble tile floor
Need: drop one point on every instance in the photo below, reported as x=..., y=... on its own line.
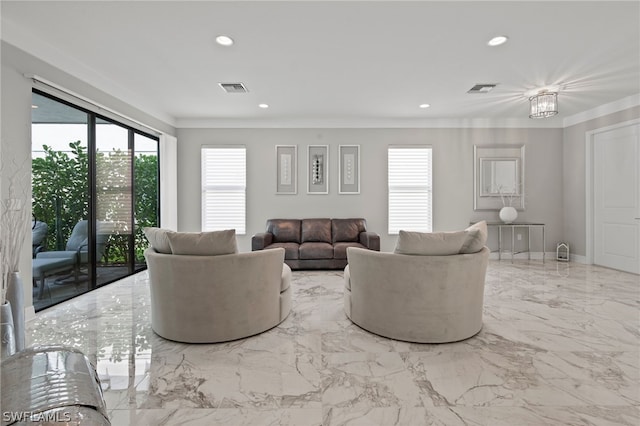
x=58, y=292
x=560, y=346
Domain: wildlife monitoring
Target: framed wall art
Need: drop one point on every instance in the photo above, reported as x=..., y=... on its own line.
x=318, y=169
x=349, y=169
x=286, y=169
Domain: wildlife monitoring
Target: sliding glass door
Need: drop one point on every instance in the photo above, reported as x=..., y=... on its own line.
x=60, y=200
x=146, y=193
x=95, y=186
x=113, y=201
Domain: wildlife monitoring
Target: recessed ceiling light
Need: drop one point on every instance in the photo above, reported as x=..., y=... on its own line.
x=34, y=106
x=224, y=40
x=424, y=105
x=264, y=106
x=497, y=41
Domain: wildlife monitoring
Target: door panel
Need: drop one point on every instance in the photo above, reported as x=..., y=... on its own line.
x=620, y=240
x=616, y=198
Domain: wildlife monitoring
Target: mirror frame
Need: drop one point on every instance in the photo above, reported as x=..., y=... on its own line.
x=483, y=154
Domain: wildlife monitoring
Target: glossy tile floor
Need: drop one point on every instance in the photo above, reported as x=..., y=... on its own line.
x=560, y=346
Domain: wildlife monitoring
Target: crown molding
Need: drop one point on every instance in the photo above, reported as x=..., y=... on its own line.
x=363, y=123
x=25, y=41
x=602, y=110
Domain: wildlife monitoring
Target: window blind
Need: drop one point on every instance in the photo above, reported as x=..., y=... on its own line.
x=224, y=172
x=410, y=189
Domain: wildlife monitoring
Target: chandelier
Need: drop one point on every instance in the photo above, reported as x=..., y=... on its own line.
x=543, y=105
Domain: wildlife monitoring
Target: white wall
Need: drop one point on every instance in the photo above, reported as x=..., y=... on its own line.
x=16, y=125
x=452, y=168
x=15, y=153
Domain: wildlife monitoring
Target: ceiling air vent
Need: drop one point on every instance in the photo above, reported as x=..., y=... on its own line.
x=233, y=87
x=482, y=88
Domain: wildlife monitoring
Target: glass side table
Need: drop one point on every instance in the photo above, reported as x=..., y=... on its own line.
x=513, y=227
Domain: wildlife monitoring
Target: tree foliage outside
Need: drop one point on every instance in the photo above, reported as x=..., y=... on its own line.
x=61, y=196
x=60, y=188
x=146, y=199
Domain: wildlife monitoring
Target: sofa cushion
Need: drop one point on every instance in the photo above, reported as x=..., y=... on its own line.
x=290, y=249
x=347, y=229
x=284, y=230
x=340, y=249
x=476, y=238
x=158, y=239
x=316, y=251
x=203, y=243
x=316, y=230
x=430, y=243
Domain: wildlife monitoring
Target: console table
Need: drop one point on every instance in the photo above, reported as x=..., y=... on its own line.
x=518, y=225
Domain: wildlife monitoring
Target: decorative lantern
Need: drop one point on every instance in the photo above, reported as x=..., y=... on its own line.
x=562, y=252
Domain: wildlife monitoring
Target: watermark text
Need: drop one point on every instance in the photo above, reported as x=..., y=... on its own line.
x=24, y=416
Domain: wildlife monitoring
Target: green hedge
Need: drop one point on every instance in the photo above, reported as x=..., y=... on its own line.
x=61, y=196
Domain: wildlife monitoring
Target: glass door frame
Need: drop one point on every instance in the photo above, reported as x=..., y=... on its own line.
x=92, y=120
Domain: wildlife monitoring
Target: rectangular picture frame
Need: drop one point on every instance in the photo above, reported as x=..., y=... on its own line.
x=349, y=169
x=287, y=169
x=318, y=169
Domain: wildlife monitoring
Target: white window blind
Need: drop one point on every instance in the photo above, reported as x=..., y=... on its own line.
x=410, y=189
x=224, y=182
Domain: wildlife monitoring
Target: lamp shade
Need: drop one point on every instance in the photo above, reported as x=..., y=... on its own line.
x=543, y=105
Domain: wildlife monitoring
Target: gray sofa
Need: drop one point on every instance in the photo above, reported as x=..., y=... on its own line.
x=213, y=293
x=316, y=243
x=427, y=295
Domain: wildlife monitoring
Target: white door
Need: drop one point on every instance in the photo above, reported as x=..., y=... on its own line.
x=617, y=198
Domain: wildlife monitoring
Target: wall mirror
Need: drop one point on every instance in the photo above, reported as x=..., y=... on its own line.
x=498, y=177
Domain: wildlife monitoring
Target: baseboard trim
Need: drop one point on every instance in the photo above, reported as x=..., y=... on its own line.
x=578, y=259
x=535, y=255
x=29, y=313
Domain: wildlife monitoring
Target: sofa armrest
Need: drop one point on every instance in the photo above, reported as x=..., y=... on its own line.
x=370, y=240
x=261, y=240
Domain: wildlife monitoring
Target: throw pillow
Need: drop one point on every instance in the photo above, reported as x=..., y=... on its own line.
x=157, y=237
x=476, y=238
x=203, y=243
x=430, y=244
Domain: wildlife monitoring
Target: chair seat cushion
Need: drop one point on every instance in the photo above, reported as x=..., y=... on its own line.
x=73, y=255
x=290, y=249
x=43, y=266
x=340, y=249
x=158, y=239
x=203, y=243
x=316, y=251
x=430, y=244
x=476, y=238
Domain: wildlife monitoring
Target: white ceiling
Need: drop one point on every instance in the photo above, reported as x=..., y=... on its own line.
x=338, y=63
